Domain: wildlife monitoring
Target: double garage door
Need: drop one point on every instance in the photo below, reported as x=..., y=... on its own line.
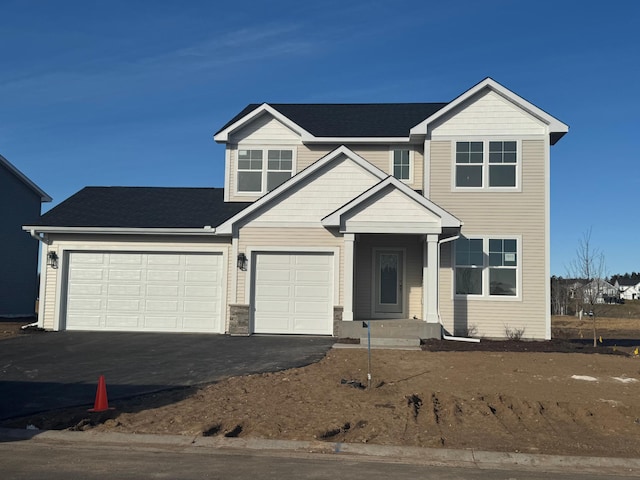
x=293, y=293
x=145, y=291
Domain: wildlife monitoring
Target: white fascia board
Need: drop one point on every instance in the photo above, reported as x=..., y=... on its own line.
x=385, y=227
x=554, y=125
x=350, y=140
x=24, y=179
x=121, y=230
x=223, y=136
x=448, y=220
x=226, y=228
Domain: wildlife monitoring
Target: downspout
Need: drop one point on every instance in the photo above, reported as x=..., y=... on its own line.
x=449, y=337
x=43, y=278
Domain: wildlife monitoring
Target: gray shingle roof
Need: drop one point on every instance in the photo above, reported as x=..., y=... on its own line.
x=352, y=120
x=142, y=207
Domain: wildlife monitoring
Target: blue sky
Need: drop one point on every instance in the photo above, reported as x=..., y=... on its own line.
x=130, y=92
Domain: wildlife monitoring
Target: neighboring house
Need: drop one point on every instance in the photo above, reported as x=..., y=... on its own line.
x=628, y=289
x=20, y=202
x=432, y=213
x=599, y=291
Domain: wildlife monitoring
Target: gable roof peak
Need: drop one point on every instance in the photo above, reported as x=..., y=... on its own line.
x=24, y=179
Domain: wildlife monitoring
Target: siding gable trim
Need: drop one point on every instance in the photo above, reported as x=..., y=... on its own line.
x=337, y=218
x=226, y=228
x=223, y=136
x=555, y=127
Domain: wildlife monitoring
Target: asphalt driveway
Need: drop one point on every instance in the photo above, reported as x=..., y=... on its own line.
x=49, y=370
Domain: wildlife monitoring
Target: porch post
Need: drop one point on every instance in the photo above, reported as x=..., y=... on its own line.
x=347, y=313
x=430, y=279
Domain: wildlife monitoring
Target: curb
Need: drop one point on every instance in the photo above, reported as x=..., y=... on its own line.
x=391, y=453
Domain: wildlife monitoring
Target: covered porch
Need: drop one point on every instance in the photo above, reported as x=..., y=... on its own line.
x=391, y=253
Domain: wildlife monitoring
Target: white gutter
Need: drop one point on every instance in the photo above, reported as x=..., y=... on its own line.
x=449, y=337
x=33, y=233
x=34, y=230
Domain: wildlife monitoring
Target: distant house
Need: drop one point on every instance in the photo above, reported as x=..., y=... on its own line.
x=20, y=202
x=628, y=289
x=600, y=291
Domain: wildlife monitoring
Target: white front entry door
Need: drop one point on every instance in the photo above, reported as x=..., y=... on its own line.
x=144, y=291
x=388, y=282
x=293, y=293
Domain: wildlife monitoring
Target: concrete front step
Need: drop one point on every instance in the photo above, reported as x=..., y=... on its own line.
x=391, y=342
x=400, y=328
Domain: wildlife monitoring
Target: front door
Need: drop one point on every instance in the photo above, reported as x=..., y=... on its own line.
x=388, y=298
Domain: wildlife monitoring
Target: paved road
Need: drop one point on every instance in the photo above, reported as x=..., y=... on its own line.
x=55, y=461
x=44, y=371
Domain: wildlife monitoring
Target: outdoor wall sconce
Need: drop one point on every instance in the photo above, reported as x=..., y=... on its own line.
x=52, y=259
x=242, y=261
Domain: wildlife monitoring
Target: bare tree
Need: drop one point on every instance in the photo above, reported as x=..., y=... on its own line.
x=589, y=265
x=559, y=296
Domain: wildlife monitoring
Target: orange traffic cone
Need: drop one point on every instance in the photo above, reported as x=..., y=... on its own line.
x=101, y=404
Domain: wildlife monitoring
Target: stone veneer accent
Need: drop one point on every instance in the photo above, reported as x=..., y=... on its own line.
x=337, y=319
x=239, y=319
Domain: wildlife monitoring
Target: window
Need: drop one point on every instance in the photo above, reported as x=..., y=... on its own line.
x=257, y=176
x=401, y=164
x=486, y=267
x=502, y=164
x=475, y=169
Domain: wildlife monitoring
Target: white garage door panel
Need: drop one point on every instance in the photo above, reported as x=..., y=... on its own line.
x=142, y=291
x=293, y=293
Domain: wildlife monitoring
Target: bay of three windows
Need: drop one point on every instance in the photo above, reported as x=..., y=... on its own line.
x=481, y=164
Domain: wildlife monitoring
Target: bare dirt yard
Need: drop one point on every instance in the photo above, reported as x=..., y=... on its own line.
x=530, y=397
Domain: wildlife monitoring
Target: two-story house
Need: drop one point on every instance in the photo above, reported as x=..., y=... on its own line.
x=330, y=214
x=20, y=203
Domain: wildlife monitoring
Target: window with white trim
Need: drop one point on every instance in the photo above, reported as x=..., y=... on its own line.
x=486, y=164
x=401, y=164
x=257, y=176
x=486, y=267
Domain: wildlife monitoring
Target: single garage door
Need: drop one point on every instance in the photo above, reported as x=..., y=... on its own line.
x=144, y=291
x=293, y=293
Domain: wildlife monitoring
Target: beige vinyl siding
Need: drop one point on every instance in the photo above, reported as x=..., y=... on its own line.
x=255, y=238
x=48, y=303
x=503, y=214
x=392, y=206
x=364, y=288
x=54, y=289
x=490, y=114
x=378, y=155
x=314, y=198
x=265, y=128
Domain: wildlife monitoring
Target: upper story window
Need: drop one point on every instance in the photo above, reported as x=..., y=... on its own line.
x=486, y=267
x=401, y=164
x=486, y=164
x=260, y=170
